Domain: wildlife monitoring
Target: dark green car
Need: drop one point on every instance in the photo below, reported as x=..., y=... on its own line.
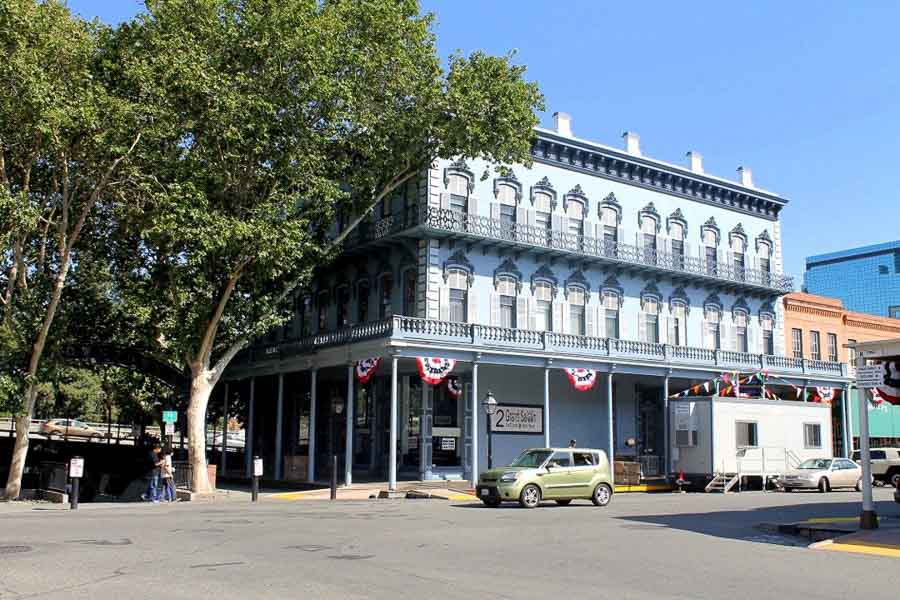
x=560, y=474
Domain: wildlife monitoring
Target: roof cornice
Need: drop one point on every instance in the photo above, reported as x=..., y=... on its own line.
x=594, y=159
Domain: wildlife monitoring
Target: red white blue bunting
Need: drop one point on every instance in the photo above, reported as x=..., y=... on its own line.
x=454, y=387
x=366, y=368
x=582, y=379
x=824, y=394
x=890, y=392
x=434, y=370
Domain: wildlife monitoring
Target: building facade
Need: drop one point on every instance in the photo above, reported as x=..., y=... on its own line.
x=653, y=277
x=864, y=279
x=821, y=326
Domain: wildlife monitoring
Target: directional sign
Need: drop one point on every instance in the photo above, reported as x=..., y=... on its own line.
x=870, y=376
x=76, y=467
x=170, y=416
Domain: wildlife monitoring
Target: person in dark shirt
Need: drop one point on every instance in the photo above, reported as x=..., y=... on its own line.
x=156, y=462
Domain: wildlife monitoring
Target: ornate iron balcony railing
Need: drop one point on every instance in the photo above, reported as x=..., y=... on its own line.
x=485, y=337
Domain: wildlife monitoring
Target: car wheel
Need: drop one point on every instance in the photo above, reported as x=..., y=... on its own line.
x=602, y=494
x=823, y=485
x=492, y=502
x=530, y=496
x=895, y=478
x=564, y=502
x=858, y=485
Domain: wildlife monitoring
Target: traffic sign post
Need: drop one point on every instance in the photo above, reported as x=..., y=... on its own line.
x=869, y=376
x=170, y=428
x=257, y=473
x=170, y=416
x=76, y=472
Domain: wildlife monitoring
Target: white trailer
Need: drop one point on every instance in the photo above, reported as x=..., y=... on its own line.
x=727, y=439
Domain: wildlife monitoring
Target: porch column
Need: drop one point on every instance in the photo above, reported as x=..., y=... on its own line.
x=475, y=415
x=392, y=454
x=222, y=459
x=610, y=445
x=279, y=417
x=847, y=403
x=547, y=407
x=311, y=458
x=248, y=433
x=348, y=445
x=667, y=452
x=805, y=399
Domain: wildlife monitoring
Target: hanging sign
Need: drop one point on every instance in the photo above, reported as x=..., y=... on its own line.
x=890, y=389
x=454, y=387
x=434, y=370
x=517, y=418
x=366, y=368
x=582, y=379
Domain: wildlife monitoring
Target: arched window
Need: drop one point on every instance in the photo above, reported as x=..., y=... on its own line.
x=741, y=321
x=458, y=282
x=409, y=292
x=458, y=186
x=575, y=213
x=738, y=249
x=385, y=295
x=543, y=301
x=507, y=198
x=507, y=291
x=322, y=310
x=649, y=326
x=710, y=238
x=362, y=301
x=611, y=303
x=609, y=220
x=712, y=326
x=577, y=297
x=543, y=211
x=343, y=305
x=677, y=235
x=767, y=325
x=678, y=330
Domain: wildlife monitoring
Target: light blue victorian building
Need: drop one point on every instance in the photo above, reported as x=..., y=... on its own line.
x=657, y=276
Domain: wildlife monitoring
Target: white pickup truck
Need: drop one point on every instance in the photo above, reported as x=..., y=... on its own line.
x=885, y=464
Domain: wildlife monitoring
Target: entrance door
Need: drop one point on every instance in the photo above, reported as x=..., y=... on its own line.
x=650, y=430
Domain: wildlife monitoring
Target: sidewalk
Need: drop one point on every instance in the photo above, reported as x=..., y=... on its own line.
x=884, y=541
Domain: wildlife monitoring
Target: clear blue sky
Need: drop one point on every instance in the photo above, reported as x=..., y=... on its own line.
x=804, y=93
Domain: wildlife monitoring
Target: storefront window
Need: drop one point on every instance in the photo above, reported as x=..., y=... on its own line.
x=445, y=448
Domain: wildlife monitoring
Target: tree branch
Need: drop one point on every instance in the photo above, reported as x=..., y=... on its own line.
x=212, y=326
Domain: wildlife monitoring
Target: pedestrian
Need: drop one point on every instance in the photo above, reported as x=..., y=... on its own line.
x=155, y=462
x=572, y=443
x=168, y=477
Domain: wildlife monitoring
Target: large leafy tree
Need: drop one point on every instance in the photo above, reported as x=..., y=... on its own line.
x=65, y=135
x=276, y=115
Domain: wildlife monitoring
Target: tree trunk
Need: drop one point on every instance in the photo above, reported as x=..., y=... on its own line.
x=20, y=449
x=201, y=388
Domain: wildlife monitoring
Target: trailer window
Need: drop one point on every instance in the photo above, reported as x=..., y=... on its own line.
x=812, y=435
x=746, y=434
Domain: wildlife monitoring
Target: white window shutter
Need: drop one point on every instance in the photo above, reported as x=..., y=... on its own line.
x=564, y=326
x=727, y=337
x=682, y=329
x=473, y=205
x=444, y=302
x=521, y=215
x=663, y=325
x=556, y=222
x=687, y=248
x=662, y=243
x=620, y=235
x=532, y=314
x=601, y=322
x=589, y=311
x=557, y=324
x=495, y=309
x=754, y=340
x=642, y=327
x=445, y=200
x=708, y=341
x=670, y=331
x=531, y=216
x=639, y=239
x=721, y=254
x=624, y=326
x=472, y=307
x=522, y=313
x=495, y=210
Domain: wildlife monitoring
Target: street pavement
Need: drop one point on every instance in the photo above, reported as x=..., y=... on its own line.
x=693, y=546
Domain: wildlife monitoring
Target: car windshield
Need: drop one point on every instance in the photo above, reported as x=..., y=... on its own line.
x=531, y=458
x=815, y=463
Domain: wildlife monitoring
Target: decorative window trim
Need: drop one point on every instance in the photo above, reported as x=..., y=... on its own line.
x=577, y=279
x=710, y=225
x=545, y=186
x=458, y=260
x=737, y=232
x=767, y=310
x=318, y=295
x=459, y=167
x=512, y=181
x=611, y=284
x=713, y=301
x=677, y=217
x=650, y=291
x=508, y=269
x=764, y=238
x=544, y=275
x=649, y=211
x=679, y=295
x=576, y=194
x=610, y=202
x=360, y=281
x=740, y=306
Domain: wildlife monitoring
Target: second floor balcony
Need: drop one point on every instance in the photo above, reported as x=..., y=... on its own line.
x=445, y=223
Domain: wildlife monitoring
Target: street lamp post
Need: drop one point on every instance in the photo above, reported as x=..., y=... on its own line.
x=490, y=407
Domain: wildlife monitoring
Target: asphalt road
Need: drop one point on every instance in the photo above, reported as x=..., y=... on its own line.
x=642, y=546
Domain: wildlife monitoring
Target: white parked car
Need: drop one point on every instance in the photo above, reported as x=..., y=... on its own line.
x=823, y=474
x=885, y=464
